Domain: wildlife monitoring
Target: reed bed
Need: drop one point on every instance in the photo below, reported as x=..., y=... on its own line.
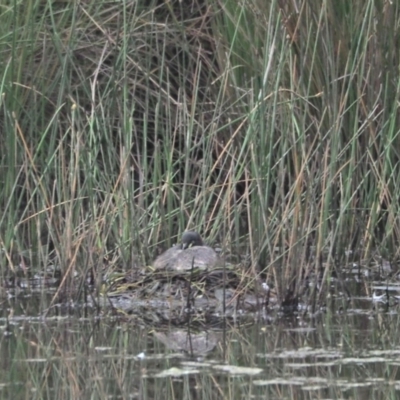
x=269, y=126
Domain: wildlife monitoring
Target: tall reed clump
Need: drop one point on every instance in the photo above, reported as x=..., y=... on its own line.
x=320, y=138
x=258, y=122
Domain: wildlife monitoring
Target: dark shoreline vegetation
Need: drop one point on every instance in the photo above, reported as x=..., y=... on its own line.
x=273, y=130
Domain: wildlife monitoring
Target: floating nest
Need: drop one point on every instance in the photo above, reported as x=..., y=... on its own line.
x=217, y=289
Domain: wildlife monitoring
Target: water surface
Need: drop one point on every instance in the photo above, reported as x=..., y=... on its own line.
x=349, y=349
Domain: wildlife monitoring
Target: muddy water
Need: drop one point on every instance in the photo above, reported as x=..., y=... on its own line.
x=350, y=349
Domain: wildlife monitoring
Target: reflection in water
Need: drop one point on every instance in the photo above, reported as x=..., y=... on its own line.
x=349, y=350
x=192, y=343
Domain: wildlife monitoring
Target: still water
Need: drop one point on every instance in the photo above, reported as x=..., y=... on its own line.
x=350, y=349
